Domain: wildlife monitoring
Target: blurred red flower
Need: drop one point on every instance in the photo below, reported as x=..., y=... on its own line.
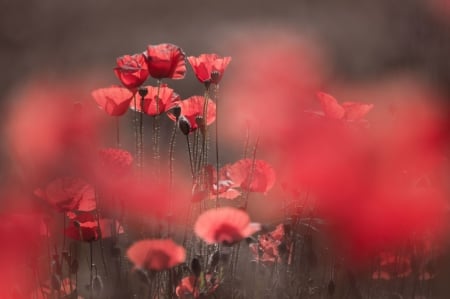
x=192, y=108
x=68, y=194
x=154, y=103
x=269, y=247
x=188, y=287
x=195, y=286
x=209, y=68
x=346, y=111
x=254, y=176
x=224, y=189
x=132, y=70
x=84, y=227
x=158, y=254
x=392, y=266
x=166, y=61
x=115, y=161
x=224, y=225
x=115, y=100
x=22, y=249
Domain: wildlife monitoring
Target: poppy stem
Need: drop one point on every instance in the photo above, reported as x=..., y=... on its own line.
x=171, y=159
x=100, y=237
x=91, y=269
x=141, y=136
x=156, y=129
x=247, y=141
x=216, y=96
x=190, y=155
x=64, y=235
x=117, y=131
x=247, y=193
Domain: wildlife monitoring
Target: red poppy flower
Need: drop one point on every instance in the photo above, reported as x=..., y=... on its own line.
x=255, y=176
x=155, y=104
x=114, y=100
x=267, y=250
x=194, y=286
x=186, y=287
x=192, y=108
x=224, y=225
x=392, y=266
x=166, y=61
x=156, y=255
x=209, y=68
x=224, y=189
x=68, y=194
x=346, y=111
x=84, y=227
x=115, y=161
x=132, y=70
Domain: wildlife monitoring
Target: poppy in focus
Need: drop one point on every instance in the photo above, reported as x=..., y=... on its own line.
x=154, y=103
x=192, y=110
x=114, y=100
x=224, y=225
x=158, y=254
x=132, y=70
x=209, y=68
x=166, y=61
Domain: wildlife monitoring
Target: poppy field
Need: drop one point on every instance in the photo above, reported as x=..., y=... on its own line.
x=264, y=183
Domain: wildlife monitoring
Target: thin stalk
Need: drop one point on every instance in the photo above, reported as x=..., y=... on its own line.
x=247, y=193
x=117, y=131
x=190, y=156
x=97, y=214
x=141, y=136
x=156, y=131
x=216, y=91
x=171, y=159
x=91, y=269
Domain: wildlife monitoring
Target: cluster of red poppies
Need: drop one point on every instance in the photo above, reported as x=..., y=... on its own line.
x=373, y=184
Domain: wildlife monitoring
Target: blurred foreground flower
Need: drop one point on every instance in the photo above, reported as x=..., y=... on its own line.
x=158, y=254
x=224, y=225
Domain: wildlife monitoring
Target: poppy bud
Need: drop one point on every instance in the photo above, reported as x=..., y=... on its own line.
x=184, y=125
x=176, y=111
x=143, y=91
x=215, y=77
x=200, y=123
x=196, y=267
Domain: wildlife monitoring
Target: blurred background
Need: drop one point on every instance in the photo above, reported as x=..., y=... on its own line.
x=357, y=50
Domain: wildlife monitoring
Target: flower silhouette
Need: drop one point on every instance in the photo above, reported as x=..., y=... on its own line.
x=224, y=225
x=132, y=70
x=115, y=100
x=209, y=68
x=157, y=254
x=166, y=61
x=155, y=104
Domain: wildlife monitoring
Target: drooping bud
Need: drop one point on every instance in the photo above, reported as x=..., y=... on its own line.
x=143, y=91
x=196, y=267
x=184, y=125
x=176, y=111
x=200, y=121
x=215, y=77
